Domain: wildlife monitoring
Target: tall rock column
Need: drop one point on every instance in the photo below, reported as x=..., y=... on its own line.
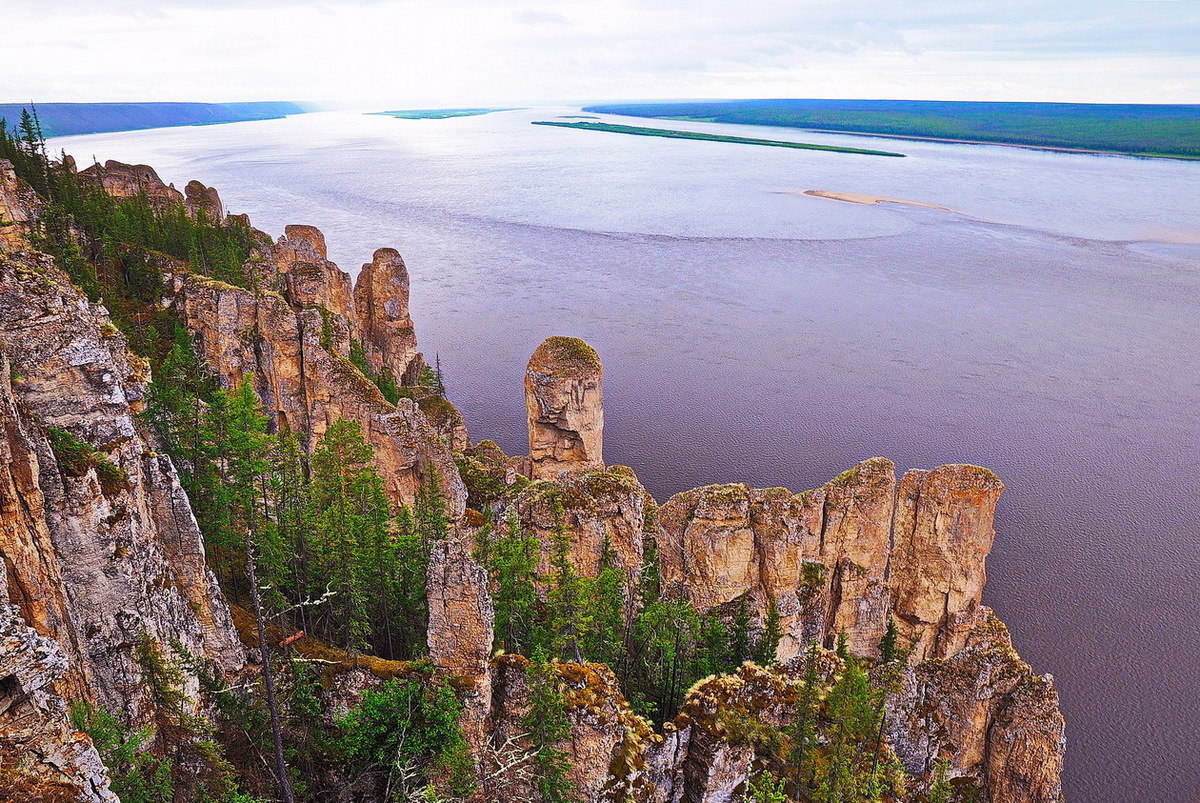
x=855, y=538
x=461, y=623
x=564, y=401
x=943, y=534
x=381, y=301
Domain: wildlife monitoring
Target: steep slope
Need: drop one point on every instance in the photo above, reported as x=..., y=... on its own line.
x=102, y=554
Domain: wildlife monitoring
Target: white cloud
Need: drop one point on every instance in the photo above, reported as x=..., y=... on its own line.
x=430, y=52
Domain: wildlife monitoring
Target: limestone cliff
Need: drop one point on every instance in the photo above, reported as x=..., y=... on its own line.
x=846, y=558
x=100, y=547
x=293, y=337
x=381, y=299
x=125, y=181
x=104, y=521
x=40, y=752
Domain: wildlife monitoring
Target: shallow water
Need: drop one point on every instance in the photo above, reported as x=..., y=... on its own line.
x=749, y=333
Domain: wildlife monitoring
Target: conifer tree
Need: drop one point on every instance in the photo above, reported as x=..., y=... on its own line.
x=804, y=724
x=512, y=561
x=569, y=618
x=768, y=642
x=547, y=725
x=853, y=715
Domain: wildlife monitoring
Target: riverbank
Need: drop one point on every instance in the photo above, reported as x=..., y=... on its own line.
x=671, y=134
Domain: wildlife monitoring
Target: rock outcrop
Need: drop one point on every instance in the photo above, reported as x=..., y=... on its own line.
x=203, y=203
x=101, y=556
x=983, y=710
x=564, y=402
x=942, y=536
x=461, y=622
x=840, y=559
x=601, y=513
x=101, y=545
x=19, y=207
x=126, y=181
x=294, y=338
x=381, y=301
x=40, y=752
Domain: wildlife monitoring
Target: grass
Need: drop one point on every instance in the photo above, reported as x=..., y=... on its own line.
x=1171, y=131
x=437, y=114
x=668, y=134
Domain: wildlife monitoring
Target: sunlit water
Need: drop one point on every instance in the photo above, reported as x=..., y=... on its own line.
x=750, y=333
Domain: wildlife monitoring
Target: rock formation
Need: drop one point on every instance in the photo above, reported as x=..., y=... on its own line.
x=381, y=300
x=986, y=712
x=294, y=337
x=842, y=558
x=102, y=547
x=564, y=402
x=599, y=512
x=100, y=552
x=126, y=181
x=461, y=622
x=19, y=206
x=37, y=741
x=942, y=536
x=203, y=203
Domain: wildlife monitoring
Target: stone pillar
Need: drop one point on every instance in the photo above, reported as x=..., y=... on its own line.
x=461, y=623
x=943, y=534
x=381, y=302
x=565, y=405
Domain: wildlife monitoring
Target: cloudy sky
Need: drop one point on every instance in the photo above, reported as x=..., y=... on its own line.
x=454, y=52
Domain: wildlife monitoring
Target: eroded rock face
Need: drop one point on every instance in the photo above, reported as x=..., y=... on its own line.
x=984, y=710
x=564, y=402
x=34, y=725
x=204, y=203
x=102, y=550
x=295, y=347
x=943, y=534
x=19, y=207
x=381, y=301
x=598, y=511
x=126, y=181
x=461, y=623
x=842, y=558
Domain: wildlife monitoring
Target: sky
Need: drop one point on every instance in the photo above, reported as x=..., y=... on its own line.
x=417, y=53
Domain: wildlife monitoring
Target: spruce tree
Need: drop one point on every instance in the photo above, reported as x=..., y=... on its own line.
x=547, y=725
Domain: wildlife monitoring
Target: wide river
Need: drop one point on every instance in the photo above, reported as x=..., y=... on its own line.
x=1049, y=328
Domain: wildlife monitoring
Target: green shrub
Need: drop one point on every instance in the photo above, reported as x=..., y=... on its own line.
x=76, y=458
x=407, y=730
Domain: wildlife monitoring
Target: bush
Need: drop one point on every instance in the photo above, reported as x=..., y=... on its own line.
x=76, y=458
x=407, y=733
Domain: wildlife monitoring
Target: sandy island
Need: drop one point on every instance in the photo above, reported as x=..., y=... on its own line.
x=863, y=198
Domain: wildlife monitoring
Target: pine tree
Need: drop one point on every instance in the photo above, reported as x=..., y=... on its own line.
x=511, y=560
x=940, y=791
x=547, y=725
x=569, y=618
x=740, y=645
x=768, y=642
x=804, y=724
x=348, y=514
x=853, y=715
x=605, y=636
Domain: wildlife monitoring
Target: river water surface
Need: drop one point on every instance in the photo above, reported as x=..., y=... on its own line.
x=1049, y=329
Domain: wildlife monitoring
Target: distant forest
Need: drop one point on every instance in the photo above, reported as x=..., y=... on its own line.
x=1134, y=129
x=64, y=119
